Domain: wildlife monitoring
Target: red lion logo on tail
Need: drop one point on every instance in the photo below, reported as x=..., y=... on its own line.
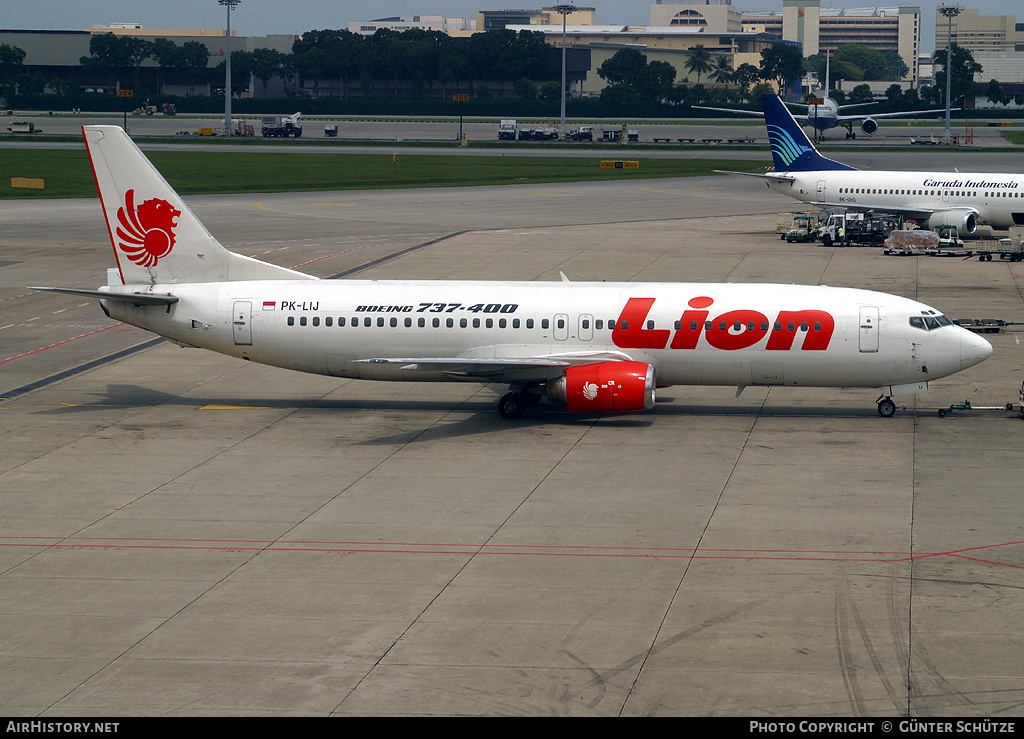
x=146, y=235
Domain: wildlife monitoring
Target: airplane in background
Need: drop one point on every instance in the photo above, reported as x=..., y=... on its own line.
x=828, y=114
x=959, y=199
x=596, y=347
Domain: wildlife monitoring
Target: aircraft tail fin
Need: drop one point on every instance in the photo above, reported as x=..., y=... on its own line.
x=156, y=238
x=792, y=151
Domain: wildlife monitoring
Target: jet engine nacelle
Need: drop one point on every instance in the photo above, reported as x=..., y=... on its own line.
x=605, y=387
x=964, y=221
x=869, y=126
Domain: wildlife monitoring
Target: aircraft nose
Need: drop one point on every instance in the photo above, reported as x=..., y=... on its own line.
x=973, y=349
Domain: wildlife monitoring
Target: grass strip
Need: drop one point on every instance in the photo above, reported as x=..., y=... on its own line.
x=67, y=174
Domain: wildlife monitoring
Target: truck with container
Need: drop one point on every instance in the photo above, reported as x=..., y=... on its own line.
x=856, y=229
x=281, y=127
x=508, y=129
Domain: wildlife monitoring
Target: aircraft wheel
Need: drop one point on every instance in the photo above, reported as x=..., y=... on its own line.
x=886, y=408
x=511, y=406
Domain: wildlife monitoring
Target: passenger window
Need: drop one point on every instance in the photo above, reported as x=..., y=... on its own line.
x=291, y=320
x=341, y=322
x=380, y=322
x=529, y=323
x=408, y=322
x=302, y=321
x=367, y=322
x=544, y=323
x=316, y=320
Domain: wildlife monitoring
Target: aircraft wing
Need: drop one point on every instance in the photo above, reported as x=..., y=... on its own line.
x=912, y=213
x=500, y=369
x=732, y=110
x=902, y=113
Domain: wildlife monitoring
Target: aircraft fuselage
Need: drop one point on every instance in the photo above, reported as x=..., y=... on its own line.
x=692, y=334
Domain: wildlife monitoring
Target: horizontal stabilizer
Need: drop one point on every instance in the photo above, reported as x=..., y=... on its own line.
x=133, y=298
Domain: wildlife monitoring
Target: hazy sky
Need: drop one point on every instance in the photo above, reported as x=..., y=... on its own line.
x=262, y=17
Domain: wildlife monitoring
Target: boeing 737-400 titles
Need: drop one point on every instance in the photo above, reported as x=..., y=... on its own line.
x=596, y=347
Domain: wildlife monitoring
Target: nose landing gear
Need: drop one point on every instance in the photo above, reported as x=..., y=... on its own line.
x=886, y=408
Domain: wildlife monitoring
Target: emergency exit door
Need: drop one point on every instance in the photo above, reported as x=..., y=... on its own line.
x=241, y=320
x=868, y=328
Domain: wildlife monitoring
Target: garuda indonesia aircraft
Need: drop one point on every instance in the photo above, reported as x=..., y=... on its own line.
x=595, y=347
x=959, y=199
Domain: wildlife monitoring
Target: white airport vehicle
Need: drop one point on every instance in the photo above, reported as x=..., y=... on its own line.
x=962, y=200
x=596, y=347
x=508, y=129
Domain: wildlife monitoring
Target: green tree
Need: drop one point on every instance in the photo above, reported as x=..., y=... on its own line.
x=873, y=63
x=722, y=71
x=781, y=63
x=698, y=61
x=30, y=84
x=11, y=59
x=625, y=66
x=861, y=94
x=995, y=95
x=963, y=69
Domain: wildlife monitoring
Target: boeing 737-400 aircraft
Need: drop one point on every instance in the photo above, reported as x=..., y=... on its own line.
x=596, y=347
x=959, y=199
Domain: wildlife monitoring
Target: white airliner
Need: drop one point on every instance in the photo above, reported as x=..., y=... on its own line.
x=959, y=199
x=828, y=114
x=596, y=347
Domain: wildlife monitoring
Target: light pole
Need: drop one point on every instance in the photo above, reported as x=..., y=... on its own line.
x=227, y=67
x=951, y=12
x=564, y=10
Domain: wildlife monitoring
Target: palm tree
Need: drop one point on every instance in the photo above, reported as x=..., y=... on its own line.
x=698, y=59
x=722, y=71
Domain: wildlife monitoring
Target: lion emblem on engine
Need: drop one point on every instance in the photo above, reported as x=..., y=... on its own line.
x=146, y=234
x=590, y=390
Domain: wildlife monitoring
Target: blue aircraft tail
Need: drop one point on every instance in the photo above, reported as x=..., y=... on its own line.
x=792, y=151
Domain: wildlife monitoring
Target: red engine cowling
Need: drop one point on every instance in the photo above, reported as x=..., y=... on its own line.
x=605, y=387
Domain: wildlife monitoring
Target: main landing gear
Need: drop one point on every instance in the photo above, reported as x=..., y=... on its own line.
x=515, y=402
x=886, y=408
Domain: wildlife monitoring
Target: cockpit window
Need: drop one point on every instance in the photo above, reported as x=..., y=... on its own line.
x=930, y=323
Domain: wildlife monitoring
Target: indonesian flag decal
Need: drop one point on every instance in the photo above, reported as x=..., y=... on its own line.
x=269, y=305
x=146, y=234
